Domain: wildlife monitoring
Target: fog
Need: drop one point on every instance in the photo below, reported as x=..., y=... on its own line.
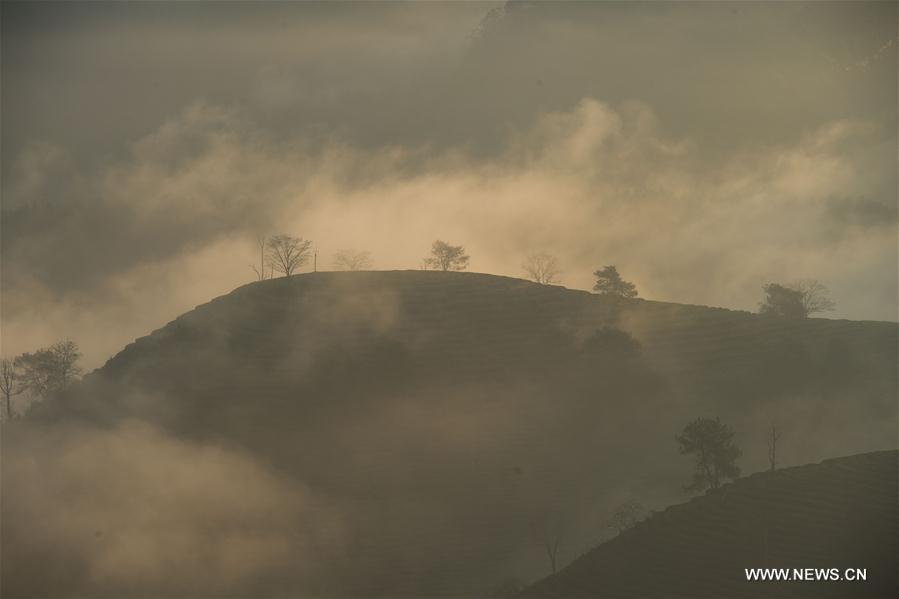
x=132, y=511
x=402, y=434
x=302, y=435
x=145, y=146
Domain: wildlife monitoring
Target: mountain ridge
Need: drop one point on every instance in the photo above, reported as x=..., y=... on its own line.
x=257, y=285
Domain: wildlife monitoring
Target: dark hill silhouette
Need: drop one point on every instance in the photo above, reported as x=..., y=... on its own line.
x=841, y=513
x=441, y=414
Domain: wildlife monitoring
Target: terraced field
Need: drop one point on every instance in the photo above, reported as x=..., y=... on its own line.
x=841, y=513
x=440, y=415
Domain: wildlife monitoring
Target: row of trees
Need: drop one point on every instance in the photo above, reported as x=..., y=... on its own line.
x=540, y=267
x=796, y=300
x=38, y=374
x=285, y=255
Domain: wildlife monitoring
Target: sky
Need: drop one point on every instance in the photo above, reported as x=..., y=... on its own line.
x=705, y=149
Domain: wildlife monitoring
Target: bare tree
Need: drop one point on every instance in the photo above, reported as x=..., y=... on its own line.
x=548, y=531
x=814, y=296
x=773, y=437
x=542, y=268
x=626, y=516
x=286, y=254
x=352, y=260
x=50, y=369
x=447, y=257
x=9, y=383
x=262, y=243
x=67, y=356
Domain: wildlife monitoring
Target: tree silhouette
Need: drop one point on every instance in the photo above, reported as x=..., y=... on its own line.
x=352, y=260
x=626, y=516
x=548, y=531
x=286, y=254
x=815, y=297
x=712, y=444
x=50, y=369
x=609, y=282
x=798, y=300
x=262, y=243
x=10, y=384
x=542, y=268
x=773, y=438
x=782, y=301
x=447, y=257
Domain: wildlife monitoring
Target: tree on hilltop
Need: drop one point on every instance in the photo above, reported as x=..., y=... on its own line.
x=609, y=282
x=352, y=260
x=542, y=268
x=446, y=257
x=799, y=300
x=285, y=254
x=264, y=264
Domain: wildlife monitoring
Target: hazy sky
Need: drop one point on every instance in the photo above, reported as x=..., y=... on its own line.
x=703, y=148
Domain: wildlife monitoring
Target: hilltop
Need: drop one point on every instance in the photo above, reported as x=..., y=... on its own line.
x=439, y=415
x=841, y=513
x=469, y=324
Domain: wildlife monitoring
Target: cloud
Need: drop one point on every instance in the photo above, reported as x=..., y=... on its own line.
x=693, y=139
x=128, y=509
x=703, y=149
x=171, y=224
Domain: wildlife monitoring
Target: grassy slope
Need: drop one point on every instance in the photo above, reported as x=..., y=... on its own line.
x=443, y=413
x=415, y=329
x=485, y=323
x=840, y=513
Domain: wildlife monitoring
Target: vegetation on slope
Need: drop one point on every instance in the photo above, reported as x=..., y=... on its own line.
x=443, y=416
x=841, y=513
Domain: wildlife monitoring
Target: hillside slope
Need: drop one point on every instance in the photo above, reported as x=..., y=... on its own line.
x=440, y=415
x=841, y=513
x=337, y=334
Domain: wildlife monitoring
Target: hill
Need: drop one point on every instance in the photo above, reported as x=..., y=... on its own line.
x=841, y=513
x=437, y=417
